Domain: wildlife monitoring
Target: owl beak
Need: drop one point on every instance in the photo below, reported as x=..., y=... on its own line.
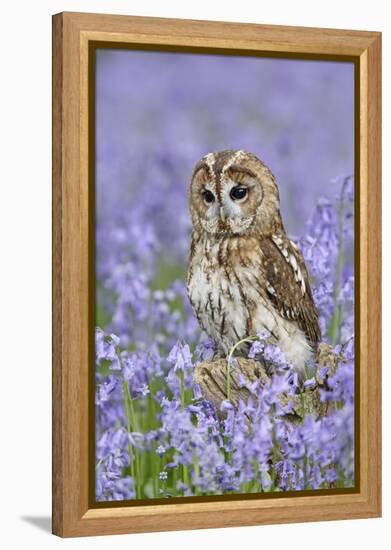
x=222, y=214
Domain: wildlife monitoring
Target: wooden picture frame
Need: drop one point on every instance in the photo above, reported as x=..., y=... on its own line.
x=73, y=34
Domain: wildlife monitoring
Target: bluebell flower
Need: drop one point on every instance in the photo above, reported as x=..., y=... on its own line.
x=180, y=356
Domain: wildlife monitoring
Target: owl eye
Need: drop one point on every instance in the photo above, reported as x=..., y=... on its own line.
x=238, y=192
x=208, y=196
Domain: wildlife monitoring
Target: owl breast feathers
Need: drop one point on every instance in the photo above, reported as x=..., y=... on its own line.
x=245, y=275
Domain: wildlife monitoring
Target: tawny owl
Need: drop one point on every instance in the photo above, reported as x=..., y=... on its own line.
x=245, y=274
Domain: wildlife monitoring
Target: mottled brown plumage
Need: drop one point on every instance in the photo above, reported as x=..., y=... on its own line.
x=245, y=275
x=291, y=297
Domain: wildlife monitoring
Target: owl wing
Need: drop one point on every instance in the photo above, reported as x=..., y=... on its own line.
x=287, y=284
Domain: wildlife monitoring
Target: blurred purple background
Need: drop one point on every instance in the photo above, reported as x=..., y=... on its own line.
x=158, y=113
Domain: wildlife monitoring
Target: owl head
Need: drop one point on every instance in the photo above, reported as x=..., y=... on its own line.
x=234, y=193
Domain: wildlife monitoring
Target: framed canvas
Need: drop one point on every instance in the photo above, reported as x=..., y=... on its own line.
x=216, y=274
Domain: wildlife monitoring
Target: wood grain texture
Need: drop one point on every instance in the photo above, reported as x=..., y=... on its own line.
x=373, y=266
x=215, y=34
x=57, y=461
x=71, y=35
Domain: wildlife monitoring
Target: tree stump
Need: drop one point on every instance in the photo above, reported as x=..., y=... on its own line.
x=211, y=376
